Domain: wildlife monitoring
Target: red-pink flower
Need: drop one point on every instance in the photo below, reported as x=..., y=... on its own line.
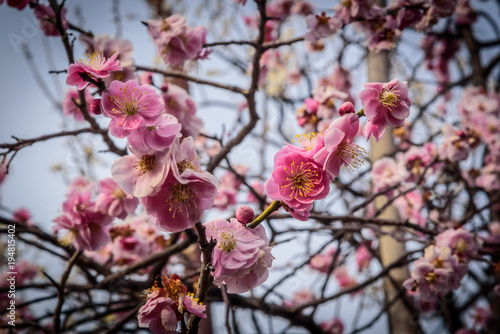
x=130, y=105
x=298, y=181
x=338, y=146
x=181, y=105
x=86, y=227
x=386, y=104
x=158, y=315
x=142, y=175
x=156, y=137
x=95, y=65
x=69, y=104
x=178, y=206
x=321, y=26
x=113, y=201
x=18, y=4
x=242, y=256
x=45, y=14
x=23, y=215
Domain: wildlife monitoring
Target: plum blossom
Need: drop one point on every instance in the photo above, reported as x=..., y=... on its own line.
x=86, y=226
x=165, y=305
x=323, y=261
x=130, y=105
x=95, y=65
x=334, y=326
x=181, y=105
x=23, y=215
x=157, y=137
x=386, y=173
x=461, y=242
x=244, y=214
x=339, y=148
x=301, y=297
x=3, y=169
x=80, y=184
x=298, y=181
x=321, y=26
x=177, y=42
x=186, y=193
x=386, y=104
x=70, y=108
x=142, y=175
x=363, y=257
x=113, y=201
x=242, y=255
x=45, y=14
x=18, y=4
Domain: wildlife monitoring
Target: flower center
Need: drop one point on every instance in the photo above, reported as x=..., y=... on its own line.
x=180, y=198
x=346, y=3
x=461, y=246
x=389, y=97
x=308, y=140
x=185, y=164
x=351, y=154
x=94, y=60
x=323, y=19
x=146, y=164
x=301, y=178
x=165, y=26
x=431, y=277
x=128, y=101
x=119, y=194
x=227, y=241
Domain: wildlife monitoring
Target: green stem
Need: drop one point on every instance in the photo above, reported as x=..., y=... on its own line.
x=275, y=205
x=361, y=113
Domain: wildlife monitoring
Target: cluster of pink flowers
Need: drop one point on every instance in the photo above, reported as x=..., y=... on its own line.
x=178, y=42
x=443, y=266
x=302, y=175
x=229, y=187
x=131, y=241
x=439, y=50
x=457, y=144
x=167, y=302
x=242, y=256
x=85, y=226
x=109, y=46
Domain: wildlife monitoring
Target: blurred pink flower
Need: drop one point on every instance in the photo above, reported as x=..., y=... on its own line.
x=45, y=14
x=70, y=108
x=242, y=256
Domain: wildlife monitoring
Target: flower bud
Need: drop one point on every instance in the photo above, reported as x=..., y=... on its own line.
x=95, y=107
x=244, y=214
x=346, y=108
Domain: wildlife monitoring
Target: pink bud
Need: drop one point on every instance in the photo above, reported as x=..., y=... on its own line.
x=244, y=214
x=95, y=106
x=346, y=108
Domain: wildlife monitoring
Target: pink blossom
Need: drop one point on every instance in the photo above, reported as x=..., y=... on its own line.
x=109, y=46
x=86, y=227
x=244, y=214
x=26, y=271
x=297, y=181
x=186, y=194
x=190, y=304
x=142, y=176
x=18, y=4
x=158, y=315
x=45, y=14
x=387, y=174
x=343, y=277
x=259, y=188
x=346, y=108
x=347, y=11
x=70, y=108
x=322, y=262
x=80, y=184
x=95, y=65
x=377, y=131
x=95, y=107
x=23, y=215
x=480, y=316
x=460, y=241
x=408, y=15
x=338, y=148
x=156, y=137
x=386, y=104
x=321, y=26
x=363, y=257
x=130, y=105
x=177, y=42
x=334, y=326
x=409, y=206
x=242, y=255
x=181, y=105
x=457, y=144
x=301, y=297
x=113, y=201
